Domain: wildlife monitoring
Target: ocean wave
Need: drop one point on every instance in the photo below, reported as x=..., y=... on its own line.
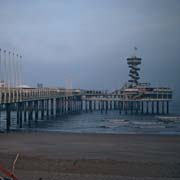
x=143, y=123
x=104, y=127
x=168, y=119
x=118, y=121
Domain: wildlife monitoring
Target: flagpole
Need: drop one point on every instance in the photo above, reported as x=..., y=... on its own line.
x=5, y=68
x=9, y=71
x=20, y=74
x=8, y=76
x=17, y=78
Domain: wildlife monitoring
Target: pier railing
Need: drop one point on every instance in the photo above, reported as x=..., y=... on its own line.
x=13, y=95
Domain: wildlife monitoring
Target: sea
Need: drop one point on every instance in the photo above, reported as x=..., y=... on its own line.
x=97, y=122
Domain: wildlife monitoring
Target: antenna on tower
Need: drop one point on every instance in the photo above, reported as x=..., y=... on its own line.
x=135, y=51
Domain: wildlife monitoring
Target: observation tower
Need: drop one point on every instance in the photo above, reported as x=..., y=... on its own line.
x=133, y=63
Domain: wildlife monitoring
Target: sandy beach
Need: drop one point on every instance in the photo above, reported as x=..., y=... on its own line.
x=91, y=156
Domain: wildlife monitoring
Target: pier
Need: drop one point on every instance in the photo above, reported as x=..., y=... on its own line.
x=93, y=101
x=32, y=104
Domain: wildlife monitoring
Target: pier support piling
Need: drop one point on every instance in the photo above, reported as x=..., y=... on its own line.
x=106, y=106
x=152, y=107
x=52, y=107
x=167, y=107
x=142, y=107
x=47, y=108
x=157, y=107
x=36, y=110
x=147, y=107
x=20, y=114
x=42, y=109
x=8, y=117
x=25, y=112
x=30, y=114
x=162, y=107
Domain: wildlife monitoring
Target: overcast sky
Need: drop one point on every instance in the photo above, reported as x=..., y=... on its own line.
x=88, y=41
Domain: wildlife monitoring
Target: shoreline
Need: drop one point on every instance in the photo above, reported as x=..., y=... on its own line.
x=109, y=156
x=89, y=133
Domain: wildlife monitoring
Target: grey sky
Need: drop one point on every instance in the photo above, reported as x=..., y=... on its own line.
x=88, y=41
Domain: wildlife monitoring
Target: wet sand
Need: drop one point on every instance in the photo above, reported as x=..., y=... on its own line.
x=91, y=156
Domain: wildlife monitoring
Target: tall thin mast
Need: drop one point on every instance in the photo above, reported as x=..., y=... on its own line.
x=17, y=71
x=13, y=72
x=9, y=71
x=20, y=76
x=20, y=64
x=5, y=71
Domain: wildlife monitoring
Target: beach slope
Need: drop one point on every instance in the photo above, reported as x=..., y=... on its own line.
x=91, y=156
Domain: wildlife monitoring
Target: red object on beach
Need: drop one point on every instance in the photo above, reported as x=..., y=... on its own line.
x=7, y=173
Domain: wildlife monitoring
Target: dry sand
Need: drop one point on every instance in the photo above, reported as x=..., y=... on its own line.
x=55, y=156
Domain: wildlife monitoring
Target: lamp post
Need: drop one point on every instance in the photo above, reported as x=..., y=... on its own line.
x=8, y=70
x=20, y=76
x=5, y=74
x=12, y=76
x=9, y=76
